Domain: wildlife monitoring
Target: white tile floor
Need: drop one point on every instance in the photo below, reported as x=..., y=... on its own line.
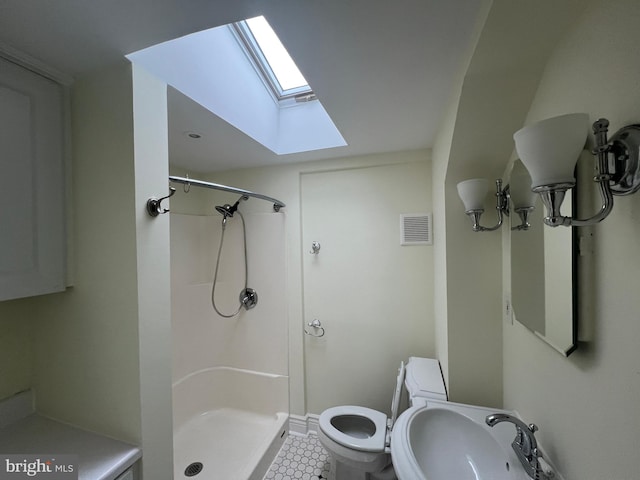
x=301, y=457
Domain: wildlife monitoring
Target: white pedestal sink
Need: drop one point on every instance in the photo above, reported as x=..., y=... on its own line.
x=449, y=441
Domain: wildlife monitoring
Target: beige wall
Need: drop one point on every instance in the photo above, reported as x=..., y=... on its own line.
x=95, y=353
x=587, y=405
x=515, y=38
x=373, y=295
x=86, y=346
x=16, y=362
x=283, y=182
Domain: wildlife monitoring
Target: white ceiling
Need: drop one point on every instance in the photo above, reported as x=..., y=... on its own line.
x=383, y=70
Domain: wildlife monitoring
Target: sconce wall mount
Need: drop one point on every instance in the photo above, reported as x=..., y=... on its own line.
x=624, y=150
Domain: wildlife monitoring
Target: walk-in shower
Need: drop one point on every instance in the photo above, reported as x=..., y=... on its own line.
x=230, y=375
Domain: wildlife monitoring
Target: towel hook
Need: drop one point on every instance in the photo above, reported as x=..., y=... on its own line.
x=315, y=248
x=153, y=204
x=318, y=329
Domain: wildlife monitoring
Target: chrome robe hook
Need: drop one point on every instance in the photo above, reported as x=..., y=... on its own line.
x=154, y=207
x=315, y=248
x=318, y=329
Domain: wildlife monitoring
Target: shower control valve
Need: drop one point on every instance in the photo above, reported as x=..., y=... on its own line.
x=248, y=298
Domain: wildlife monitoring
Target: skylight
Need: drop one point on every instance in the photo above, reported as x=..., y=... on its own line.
x=279, y=71
x=214, y=68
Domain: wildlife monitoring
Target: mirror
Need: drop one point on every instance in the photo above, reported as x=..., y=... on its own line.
x=543, y=272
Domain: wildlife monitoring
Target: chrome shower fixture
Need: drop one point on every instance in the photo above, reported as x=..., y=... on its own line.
x=248, y=296
x=224, y=210
x=227, y=210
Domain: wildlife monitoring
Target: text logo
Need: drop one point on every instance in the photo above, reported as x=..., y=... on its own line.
x=43, y=467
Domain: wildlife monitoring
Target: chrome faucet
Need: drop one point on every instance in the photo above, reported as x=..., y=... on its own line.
x=525, y=444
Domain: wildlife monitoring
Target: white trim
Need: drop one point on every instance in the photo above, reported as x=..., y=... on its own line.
x=37, y=66
x=303, y=425
x=253, y=51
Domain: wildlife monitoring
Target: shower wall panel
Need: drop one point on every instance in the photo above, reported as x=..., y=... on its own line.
x=255, y=339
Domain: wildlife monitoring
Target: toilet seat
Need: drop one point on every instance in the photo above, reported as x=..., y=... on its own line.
x=373, y=443
x=350, y=417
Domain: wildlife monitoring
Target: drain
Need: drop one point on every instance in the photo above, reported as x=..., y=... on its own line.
x=194, y=469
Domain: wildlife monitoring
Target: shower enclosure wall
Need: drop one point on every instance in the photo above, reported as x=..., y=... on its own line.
x=230, y=390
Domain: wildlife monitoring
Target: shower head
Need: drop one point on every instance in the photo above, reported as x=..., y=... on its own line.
x=227, y=210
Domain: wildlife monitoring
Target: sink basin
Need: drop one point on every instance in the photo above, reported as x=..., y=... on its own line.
x=444, y=443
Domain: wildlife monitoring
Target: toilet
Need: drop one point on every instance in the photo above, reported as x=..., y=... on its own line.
x=424, y=381
x=358, y=438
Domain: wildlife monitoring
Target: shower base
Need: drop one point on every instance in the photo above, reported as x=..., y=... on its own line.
x=229, y=444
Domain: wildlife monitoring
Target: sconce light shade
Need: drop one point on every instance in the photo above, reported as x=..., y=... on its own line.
x=550, y=148
x=520, y=189
x=473, y=193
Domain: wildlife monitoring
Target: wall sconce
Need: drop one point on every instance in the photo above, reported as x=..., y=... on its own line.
x=521, y=195
x=550, y=148
x=473, y=192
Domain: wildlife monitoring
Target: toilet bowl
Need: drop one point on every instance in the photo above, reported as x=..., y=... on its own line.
x=358, y=438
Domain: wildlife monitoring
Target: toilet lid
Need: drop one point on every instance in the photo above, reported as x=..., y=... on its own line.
x=395, y=402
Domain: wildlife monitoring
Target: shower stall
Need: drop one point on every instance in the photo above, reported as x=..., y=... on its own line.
x=230, y=371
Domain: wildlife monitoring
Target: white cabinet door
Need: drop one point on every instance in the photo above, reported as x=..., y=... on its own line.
x=32, y=214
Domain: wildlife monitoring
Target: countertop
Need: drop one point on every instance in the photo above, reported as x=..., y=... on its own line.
x=100, y=458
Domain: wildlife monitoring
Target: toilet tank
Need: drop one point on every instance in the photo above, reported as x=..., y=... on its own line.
x=424, y=381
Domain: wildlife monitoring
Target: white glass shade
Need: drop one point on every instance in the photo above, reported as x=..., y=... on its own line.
x=520, y=189
x=550, y=148
x=473, y=192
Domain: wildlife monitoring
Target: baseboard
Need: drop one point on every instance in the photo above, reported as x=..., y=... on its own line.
x=16, y=407
x=303, y=425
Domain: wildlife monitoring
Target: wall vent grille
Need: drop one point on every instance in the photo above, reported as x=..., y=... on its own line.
x=415, y=229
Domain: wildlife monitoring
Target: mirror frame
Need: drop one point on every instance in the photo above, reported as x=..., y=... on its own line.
x=575, y=288
x=575, y=282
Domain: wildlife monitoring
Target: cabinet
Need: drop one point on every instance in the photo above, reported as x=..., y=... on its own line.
x=128, y=475
x=32, y=184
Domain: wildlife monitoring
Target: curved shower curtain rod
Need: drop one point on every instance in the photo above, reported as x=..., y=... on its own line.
x=277, y=204
x=154, y=208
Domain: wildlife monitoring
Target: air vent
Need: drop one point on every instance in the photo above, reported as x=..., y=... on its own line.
x=415, y=229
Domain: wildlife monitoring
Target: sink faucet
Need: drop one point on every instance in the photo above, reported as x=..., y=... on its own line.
x=525, y=444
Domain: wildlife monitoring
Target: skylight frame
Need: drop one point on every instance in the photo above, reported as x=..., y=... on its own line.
x=252, y=49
